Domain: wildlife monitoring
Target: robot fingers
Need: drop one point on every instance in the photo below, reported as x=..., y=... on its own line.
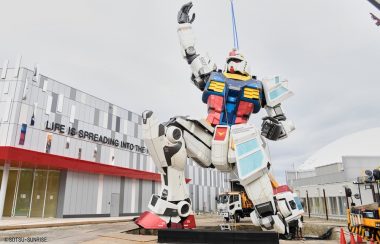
x=183, y=14
x=274, y=129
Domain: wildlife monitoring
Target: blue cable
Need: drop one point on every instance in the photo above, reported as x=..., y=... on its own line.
x=234, y=30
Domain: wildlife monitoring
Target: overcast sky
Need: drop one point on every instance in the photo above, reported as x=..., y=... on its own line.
x=127, y=52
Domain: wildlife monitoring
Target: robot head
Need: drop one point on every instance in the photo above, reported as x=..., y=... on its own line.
x=236, y=63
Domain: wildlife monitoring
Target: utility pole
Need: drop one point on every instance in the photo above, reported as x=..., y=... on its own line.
x=324, y=197
x=308, y=202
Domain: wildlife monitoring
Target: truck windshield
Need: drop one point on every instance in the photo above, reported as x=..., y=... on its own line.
x=223, y=199
x=298, y=202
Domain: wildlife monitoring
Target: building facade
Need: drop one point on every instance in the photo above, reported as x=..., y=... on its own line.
x=322, y=189
x=65, y=153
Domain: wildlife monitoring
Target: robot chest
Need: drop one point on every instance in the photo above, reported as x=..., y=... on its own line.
x=230, y=95
x=232, y=91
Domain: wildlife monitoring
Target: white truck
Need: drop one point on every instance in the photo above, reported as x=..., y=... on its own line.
x=234, y=205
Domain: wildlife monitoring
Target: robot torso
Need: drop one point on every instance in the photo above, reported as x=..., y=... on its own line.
x=232, y=98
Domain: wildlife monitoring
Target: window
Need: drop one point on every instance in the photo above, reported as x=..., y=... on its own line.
x=72, y=114
x=223, y=199
x=60, y=103
x=17, y=68
x=317, y=206
x=236, y=198
x=48, y=104
x=44, y=88
x=311, y=204
x=292, y=204
x=342, y=205
x=25, y=89
x=333, y=206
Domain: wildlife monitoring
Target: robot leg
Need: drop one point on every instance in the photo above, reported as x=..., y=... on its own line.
x=172, y=206
x=252, y=165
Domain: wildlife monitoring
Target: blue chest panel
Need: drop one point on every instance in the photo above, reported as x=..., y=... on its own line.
x=233, y=91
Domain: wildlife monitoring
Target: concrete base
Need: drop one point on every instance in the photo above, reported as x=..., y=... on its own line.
x=209, y=236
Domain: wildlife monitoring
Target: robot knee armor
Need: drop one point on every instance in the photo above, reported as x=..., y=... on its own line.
x=184, y=208
x=174, y=134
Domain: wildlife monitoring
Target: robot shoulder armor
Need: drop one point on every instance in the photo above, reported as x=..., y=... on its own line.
x=217, y=76
x=275, y=91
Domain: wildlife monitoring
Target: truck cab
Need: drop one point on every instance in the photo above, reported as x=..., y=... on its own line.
x=234, y=205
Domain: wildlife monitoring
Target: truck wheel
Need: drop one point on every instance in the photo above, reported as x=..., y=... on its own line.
x=227, y=219
x=237, y=218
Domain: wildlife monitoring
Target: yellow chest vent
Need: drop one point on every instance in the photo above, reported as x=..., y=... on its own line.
x=216, y=86
x=251, y=93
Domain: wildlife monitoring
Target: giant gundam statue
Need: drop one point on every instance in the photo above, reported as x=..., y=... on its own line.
x=224, y=140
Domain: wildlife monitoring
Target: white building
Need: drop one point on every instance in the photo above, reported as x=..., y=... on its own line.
x=66, y=153
x=322, y=178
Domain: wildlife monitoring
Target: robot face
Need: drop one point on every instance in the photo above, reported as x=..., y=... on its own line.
x=236, y=64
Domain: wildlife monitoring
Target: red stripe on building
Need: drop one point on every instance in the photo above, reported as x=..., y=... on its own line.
x=33, y=159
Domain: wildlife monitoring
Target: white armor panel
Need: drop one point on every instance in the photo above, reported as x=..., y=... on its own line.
x=197, y=127
x=197, y=150
x=251, y=159
x=288, y=126
x=177, y=189
x=160, y=205
x=186, y=37
x=278, y=225
x=201, y=64
x=254, y=218
x=275, y=91
x=220, y=148
x=154, y=143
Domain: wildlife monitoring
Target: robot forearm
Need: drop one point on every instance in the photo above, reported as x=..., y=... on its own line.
x=187, y=41
x=275, y=126
x=201, y=65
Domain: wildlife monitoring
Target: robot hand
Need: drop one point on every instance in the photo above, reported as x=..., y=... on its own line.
x=272, y=128
x=183, y=14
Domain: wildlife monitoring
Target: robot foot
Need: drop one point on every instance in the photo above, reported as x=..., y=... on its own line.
x=150, y=220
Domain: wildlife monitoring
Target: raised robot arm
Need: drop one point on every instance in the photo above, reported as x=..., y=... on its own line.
x=201, y=65
x=275, y=126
